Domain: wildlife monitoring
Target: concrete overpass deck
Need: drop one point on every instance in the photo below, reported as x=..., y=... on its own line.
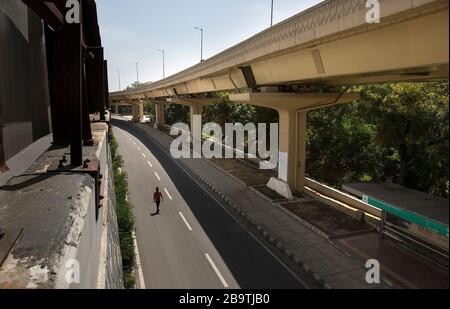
x=299, y=65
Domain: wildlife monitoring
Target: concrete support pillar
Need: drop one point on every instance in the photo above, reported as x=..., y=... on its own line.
x=135, y=112
x=116, y=109
x=160, y=115
x=292, y=151
x=293, y=109
x=196, y=110
x=140, y=111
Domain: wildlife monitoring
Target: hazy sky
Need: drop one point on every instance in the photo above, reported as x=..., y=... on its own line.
x=134, y=30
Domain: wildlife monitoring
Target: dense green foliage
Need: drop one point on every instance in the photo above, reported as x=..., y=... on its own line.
x=125, y=216
x=393, y=133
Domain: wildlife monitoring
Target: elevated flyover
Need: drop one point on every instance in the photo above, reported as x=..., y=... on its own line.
x=299, y=64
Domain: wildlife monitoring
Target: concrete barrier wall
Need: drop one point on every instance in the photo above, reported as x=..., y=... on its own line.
x=110, y=274
x=99, y=252
x=52, y=230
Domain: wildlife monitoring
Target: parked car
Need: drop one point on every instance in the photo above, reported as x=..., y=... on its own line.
x=146, y=119
x=96, y=117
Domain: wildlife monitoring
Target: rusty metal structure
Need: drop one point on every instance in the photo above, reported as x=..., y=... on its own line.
x=56, y=44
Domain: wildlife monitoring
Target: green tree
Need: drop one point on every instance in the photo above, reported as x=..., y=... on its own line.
x=134, y=85
x=413, y=119
x=175, y=113
x=393, y=133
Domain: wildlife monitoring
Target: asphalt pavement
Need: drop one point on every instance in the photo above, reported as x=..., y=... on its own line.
x=194, y=243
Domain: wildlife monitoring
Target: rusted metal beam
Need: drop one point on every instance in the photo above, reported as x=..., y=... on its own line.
x=86, y=126
x=49, y=11
x=64, y=53
x=91, y=29
x=95, y=82
x=105, y=76
x=3, y=167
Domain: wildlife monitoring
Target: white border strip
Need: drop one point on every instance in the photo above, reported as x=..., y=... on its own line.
x=222, y=279
x=138, y=263
x=185, y=221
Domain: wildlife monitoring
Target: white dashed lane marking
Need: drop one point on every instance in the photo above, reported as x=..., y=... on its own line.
x=185, y=221
x=168, y=194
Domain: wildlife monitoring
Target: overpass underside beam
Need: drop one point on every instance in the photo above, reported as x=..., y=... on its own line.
x=293, y=109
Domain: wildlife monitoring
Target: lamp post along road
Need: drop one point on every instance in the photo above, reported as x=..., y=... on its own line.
x=271, y=15
x=118, y=76
x=164, y=62
x=201, y=43
x=137, y=71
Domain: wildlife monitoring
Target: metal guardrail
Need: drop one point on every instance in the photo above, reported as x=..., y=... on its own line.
x=342, y=197
x=420, y=246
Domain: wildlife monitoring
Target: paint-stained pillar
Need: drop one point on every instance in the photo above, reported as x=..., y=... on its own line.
x=196, y=113
x=140, y=111
x=160, y=116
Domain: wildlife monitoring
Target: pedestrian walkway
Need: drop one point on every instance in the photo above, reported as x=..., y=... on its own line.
x=330, y=266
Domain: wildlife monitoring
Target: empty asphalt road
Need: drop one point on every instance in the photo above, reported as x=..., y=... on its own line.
x=194, y=243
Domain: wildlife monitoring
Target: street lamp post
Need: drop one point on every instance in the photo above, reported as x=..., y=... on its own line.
x=137, y=71
x=163, y=52
x=201, y=42
x=118, y=75
x=271, y=15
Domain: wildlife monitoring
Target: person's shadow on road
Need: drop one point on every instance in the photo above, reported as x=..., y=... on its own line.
x=155, y=214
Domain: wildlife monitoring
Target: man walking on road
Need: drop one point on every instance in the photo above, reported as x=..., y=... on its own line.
x=158, y=197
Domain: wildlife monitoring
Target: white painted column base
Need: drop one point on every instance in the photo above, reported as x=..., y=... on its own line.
x=281, y=187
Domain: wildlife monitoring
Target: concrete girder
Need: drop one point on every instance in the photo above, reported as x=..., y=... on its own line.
x=159, y=111
x=293, y=109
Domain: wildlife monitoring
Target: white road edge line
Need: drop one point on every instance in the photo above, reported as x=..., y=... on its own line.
x=139, y=148
x=168, y=194
x=143, y=154
x=149, y=164
x=185, y=221
x=157, y=176
x=222, y=279
x=138, y=262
